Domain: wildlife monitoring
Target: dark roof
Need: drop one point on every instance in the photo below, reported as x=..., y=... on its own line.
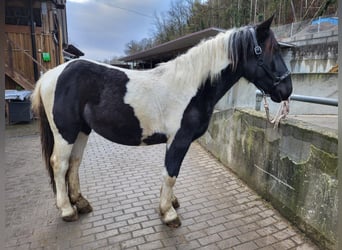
x=174, y=47
x=171, y=49
x=73, y=50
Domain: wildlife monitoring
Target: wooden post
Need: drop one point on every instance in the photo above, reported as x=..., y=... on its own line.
x=60, y=44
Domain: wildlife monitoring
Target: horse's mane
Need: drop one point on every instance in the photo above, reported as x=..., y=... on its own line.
x=207, y=59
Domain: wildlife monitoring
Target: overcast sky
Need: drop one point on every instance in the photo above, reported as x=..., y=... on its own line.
x=102, y=28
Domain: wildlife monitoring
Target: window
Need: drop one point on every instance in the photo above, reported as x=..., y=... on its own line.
x=22, y=16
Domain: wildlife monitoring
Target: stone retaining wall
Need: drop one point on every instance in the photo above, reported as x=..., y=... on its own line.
x=294, y=166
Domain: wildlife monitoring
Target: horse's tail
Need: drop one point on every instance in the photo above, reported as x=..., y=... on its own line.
x=46, y=136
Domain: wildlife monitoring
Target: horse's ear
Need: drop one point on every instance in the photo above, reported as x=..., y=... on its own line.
x=263, y=28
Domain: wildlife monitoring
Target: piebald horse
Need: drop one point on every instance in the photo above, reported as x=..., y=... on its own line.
x=171, y=104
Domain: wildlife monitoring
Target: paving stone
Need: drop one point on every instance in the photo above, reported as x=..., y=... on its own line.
x=228, y=243
x=246, y=246
x=151, y=245
x=209, y=239
x=122, y=184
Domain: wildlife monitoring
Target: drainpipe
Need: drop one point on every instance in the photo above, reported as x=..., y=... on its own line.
x=33, y=41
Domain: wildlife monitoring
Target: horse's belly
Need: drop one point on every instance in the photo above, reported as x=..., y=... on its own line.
x=124, y=136
x=129, y=136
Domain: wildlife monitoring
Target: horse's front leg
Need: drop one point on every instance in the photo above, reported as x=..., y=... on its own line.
x=173, y=159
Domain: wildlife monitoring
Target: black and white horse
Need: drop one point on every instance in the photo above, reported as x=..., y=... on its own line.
x=170, y=104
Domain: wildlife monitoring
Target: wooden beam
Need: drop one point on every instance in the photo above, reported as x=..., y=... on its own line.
x=18, y=78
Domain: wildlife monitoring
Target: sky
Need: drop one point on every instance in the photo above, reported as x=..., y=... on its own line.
x=102, y=28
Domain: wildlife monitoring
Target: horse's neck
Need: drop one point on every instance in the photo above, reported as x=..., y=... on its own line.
x=225, y=82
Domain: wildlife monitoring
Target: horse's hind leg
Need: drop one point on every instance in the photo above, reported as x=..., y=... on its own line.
x=74, y=190
x=60, y=165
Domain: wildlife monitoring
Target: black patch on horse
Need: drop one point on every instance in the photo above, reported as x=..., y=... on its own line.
x=156, y=138
x=91, y=96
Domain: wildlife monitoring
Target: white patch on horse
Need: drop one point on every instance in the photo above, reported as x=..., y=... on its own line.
x=151, y=92
x=47, y=86
x=166, y=197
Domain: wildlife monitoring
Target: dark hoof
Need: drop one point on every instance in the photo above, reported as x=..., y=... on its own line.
x=175, y=203
x=83, y=206
x=72, y=217
x=174, y=223
x=84, y=210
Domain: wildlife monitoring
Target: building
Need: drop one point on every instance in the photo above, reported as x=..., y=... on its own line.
x=36, y=40
x=164, y=52
x=167, y=51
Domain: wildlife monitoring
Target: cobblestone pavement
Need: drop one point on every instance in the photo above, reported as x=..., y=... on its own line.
x=218, y=211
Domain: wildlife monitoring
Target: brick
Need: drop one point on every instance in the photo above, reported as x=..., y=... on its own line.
x=229, y=233
x=155, y=236
x=265, y=241
x=143, y=232
x=284, y=234
x=217, y=210
x=151, y=245
x=215, y=229
x=107, y=234
x=83, y=240
x=150, y=223
x=103, y=222
x=246, y=246
x=228, y=243
x=285, y=244
x=137, y=219
x=266, y=222
x=189, y=245
x=95, y=245
x=216, y=221
x=113, y=214
x=204, y=217
x=248, y=228
x=195, y=235
x=267, y=230
x=116, y=225
x=132, y=242
x=115, y=240
x=129, y=228
x=124, y=217
x=209, y=239
x=93, y=230
x=248, y=236
x=173, y=241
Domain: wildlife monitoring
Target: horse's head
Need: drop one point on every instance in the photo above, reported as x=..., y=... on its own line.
x=263, y=64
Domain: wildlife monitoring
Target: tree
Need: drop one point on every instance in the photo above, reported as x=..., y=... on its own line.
x=188, y=16
x=133, y=46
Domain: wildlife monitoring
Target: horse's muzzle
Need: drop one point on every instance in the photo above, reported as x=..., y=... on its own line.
x=282, y=91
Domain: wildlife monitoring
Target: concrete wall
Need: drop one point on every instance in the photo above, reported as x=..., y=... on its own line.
x=312, y=58
x=320, y=85
x=294, y=166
